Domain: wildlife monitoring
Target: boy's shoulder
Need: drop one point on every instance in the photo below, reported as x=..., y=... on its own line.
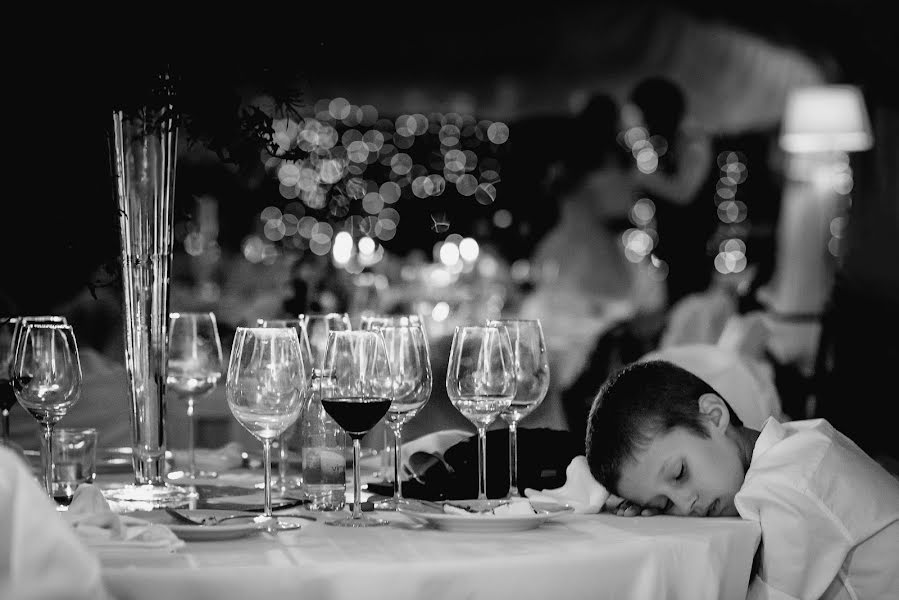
x=813, y=459
x=792, y=451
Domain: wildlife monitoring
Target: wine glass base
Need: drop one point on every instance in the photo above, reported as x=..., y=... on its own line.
x=363, y=521
x=394, y=504
x=280, y=523
x=188, y=478
x=148, y=497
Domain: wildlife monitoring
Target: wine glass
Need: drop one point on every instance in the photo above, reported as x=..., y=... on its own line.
x=356, y=390
x=7, y=395
x=410, y=365
x=481, y=383
x=265, y=389
x=194, y=369
x=532, y=374
x=284, y=482
x=10, y=329
x=367, y=322
x=46, y=377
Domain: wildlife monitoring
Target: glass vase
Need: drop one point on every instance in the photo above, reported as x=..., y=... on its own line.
x=144, y=152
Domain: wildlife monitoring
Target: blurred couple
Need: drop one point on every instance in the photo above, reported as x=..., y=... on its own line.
x=585, y=283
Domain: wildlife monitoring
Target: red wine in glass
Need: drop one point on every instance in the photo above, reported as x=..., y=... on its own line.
x=356, y=415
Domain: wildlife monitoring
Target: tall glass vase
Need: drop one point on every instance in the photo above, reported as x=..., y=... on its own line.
x=144, y=151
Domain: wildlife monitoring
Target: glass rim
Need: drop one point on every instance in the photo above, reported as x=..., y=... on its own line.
x=64, y=432
x=47, y=326
x=339, y=315
x=476, y=327
x=182, y=313
x=260, y=323
x=356, y=332
x=267, y=330
x=513, y=320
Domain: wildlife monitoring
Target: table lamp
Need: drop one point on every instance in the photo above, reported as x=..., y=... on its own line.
x=821, y=124
x=825, y=118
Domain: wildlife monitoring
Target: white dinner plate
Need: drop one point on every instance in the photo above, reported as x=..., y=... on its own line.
x=486, y=523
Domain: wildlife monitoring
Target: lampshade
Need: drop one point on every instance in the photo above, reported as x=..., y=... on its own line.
x=826, y=118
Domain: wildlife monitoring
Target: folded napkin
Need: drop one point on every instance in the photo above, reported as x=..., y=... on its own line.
x=435, y=443
x=101, y=529
x=580, y=491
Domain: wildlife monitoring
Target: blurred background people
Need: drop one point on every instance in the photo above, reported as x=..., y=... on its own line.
x=674, y=163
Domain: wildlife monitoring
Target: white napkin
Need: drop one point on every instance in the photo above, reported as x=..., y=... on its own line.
x=101, y=529
x=581, y=491
x=41, y=558
x=437, y=443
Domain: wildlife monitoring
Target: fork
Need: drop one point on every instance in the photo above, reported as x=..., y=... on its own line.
x=208, y=520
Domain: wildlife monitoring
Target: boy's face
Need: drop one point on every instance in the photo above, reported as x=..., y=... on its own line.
x=682, y=473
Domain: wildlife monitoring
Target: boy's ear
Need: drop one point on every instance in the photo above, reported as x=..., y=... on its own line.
x=715, y=409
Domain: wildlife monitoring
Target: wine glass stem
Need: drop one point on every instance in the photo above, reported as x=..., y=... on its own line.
x=513, y=460
x=266, y=461
x=48, y=462
x=397, y=461
x=482, y=463
x=4, y=433
x=282, y=462
x=357, y=480
x=191, y=425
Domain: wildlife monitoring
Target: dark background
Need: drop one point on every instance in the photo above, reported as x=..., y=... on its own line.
x=66, y=72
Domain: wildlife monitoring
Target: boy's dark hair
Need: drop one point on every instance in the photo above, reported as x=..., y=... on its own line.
x=634, y=405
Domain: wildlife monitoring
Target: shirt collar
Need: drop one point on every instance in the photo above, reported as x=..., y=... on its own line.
x=772, y=432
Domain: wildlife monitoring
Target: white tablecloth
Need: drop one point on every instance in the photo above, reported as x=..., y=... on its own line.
x=575, y=556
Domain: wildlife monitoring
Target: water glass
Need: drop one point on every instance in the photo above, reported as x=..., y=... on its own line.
x=74, y=461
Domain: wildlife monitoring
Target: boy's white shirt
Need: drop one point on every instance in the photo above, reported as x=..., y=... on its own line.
x=829, y=515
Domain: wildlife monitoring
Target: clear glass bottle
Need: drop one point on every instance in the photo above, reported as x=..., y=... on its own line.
x=324, y=455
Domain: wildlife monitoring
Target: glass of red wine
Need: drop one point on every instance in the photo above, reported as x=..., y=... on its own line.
x=357, y=392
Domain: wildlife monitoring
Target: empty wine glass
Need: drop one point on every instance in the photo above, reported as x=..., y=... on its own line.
x=10, y=329
x=410, y=366
x=265, y=389
x=284, y=482
x=356, y=390
x=7, y=395
x=46, y=376
x=367, y=322
x=480, y=382
x=532, y=374
x=194, y=369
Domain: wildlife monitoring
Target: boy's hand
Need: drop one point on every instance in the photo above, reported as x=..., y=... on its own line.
x=626, y=508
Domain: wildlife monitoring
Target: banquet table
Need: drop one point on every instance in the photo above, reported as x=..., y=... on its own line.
x=572, y=556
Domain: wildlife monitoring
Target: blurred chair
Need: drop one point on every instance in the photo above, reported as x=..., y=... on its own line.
x=622, y=343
